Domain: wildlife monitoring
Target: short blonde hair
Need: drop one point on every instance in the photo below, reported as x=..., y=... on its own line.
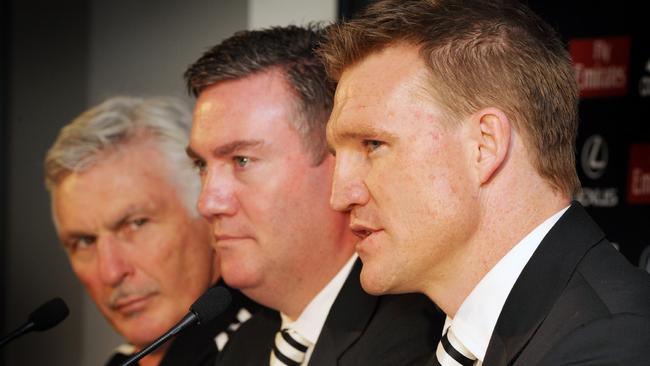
x=479, y=53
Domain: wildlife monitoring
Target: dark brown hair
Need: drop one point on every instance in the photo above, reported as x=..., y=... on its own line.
x=291, y=49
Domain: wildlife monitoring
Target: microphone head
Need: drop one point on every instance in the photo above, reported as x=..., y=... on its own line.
x=49, y=314
x=212, y=303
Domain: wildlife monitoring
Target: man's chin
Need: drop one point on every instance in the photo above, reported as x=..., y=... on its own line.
x=251, y=286
x=375, y=284
x=143, y=337
x=140, y=330
x=238, y=275
x=242, y=283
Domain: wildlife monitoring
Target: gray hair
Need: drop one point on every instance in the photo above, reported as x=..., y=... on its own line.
x=118, y=121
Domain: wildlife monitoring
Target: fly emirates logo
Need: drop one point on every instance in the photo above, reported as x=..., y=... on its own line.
x=639, y=174
x=601, y=65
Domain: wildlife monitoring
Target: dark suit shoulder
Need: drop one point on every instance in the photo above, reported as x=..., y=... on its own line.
x=618, y=286
x=603, y=314
x=622, y=339
x=606, y=312
x=404, y=330
x=573, y=297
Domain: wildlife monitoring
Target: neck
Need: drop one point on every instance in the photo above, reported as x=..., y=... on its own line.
x=504, y=220
x=306, y=293
x=293, y=289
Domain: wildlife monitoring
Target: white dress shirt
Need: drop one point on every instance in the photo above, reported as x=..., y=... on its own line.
x=310, y=323
x=478, y=314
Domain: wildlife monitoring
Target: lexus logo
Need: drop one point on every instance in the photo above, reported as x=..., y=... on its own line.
x=644, y=82
x=594, y=157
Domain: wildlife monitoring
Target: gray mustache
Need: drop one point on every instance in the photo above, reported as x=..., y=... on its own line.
x=124, y=291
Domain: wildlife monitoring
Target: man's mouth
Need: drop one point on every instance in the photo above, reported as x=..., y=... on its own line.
x=131, y=304
x=224, y=239
x=362, y=231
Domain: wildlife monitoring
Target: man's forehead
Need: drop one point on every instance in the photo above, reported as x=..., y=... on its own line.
x=75, y=198
x=395, y=69
x=377, y=63
x=76, y=222
x=379, y=78
x=205, y=106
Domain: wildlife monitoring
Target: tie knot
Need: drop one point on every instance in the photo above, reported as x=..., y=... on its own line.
x=451, y=352
x=289, y=348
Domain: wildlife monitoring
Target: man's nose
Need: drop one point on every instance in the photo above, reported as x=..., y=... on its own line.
x=348, y=187
x=113, y=265
x=217, y=197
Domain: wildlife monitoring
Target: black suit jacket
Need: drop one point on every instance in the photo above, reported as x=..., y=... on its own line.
x=360, y=330
x=577, y=302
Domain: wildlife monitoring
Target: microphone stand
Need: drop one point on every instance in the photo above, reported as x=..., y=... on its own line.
x=213, y=302
x=17, y=333
x=187, y=320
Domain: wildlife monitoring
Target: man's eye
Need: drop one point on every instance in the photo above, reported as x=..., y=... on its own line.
x=86, y=241
x=372, y=145
x=80, y=243
x=242, y=161
x=139, y=222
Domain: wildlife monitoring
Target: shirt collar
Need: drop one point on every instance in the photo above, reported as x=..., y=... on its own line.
x=310, y=323
x=478, y=314
x=125, y=349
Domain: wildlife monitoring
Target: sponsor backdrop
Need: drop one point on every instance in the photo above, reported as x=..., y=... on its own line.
x=610, y=46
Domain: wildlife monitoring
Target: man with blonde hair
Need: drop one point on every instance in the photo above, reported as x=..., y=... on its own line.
x=123, y=201
x=453, y=125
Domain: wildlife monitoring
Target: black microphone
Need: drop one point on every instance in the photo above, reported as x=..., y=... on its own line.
x=44, y=317
x=212, y=303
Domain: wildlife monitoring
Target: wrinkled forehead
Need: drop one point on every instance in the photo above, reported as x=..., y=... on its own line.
x=135, y=181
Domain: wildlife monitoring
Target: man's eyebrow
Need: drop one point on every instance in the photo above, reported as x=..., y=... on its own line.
x=191, y=153
x=130, y=212
x=227, y=149
x=360, y=131
x=234, y=146
x=65, y=237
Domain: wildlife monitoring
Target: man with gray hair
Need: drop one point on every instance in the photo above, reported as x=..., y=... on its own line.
x=123, y=199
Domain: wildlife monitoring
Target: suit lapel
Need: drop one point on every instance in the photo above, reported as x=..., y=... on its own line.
x=345, y=322
x=540, y=284
x=251, y=345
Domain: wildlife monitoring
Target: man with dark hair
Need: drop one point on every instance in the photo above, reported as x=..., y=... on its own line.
x=258, y=141
x=124, y=205
x=454, y=127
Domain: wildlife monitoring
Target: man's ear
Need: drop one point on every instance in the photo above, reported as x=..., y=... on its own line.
x=493, y=141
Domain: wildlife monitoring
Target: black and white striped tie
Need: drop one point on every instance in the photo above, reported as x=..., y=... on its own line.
x=451, y=352
x=289, y=349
